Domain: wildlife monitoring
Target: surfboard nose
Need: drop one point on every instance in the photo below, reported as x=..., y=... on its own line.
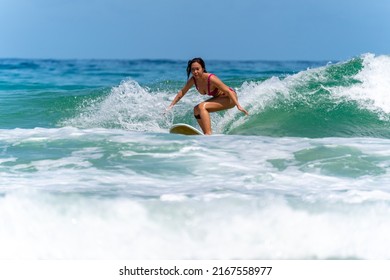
x=186, y=129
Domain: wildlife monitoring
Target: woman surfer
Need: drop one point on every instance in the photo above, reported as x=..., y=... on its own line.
x=223, y=97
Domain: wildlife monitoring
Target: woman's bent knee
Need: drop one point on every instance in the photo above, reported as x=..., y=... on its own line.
x=196, y=110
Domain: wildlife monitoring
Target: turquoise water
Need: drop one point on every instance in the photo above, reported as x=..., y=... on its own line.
x=89, y=170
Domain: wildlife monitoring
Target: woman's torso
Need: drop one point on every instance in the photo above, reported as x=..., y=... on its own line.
x=207, y=87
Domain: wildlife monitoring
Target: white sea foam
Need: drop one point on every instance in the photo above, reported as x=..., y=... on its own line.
x=39, y=226
x=114, y=194
x=128, y=106
x=73, y=155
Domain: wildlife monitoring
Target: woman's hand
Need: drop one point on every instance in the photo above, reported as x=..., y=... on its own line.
x=169, y=108
x=242, y=110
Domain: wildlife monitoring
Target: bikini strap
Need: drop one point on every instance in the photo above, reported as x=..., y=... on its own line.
x=208, y=83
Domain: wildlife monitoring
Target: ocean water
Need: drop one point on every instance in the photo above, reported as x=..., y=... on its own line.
x=88, y=169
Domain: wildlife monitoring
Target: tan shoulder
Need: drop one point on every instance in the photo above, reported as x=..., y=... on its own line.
x=214, y=79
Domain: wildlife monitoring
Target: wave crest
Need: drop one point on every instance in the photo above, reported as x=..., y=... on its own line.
x=346, y=99
x=128, y=106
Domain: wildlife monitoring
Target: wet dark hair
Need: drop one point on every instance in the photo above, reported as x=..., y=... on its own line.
x=196, y=59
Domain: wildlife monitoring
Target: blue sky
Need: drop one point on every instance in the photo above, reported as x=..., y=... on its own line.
x=181, y=29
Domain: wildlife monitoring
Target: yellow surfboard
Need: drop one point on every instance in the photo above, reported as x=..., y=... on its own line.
x=186, y=129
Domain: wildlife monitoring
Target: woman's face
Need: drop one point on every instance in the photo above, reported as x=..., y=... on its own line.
x=196, y=69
